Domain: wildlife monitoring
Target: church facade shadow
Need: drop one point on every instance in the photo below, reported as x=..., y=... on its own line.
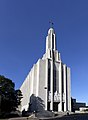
x=36, y=104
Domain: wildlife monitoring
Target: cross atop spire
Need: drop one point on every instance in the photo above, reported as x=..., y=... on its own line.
x=51, y=24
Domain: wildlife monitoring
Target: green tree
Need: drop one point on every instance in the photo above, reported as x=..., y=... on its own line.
x=10, y=98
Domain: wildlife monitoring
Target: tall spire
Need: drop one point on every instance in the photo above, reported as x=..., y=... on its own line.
x=51, y=40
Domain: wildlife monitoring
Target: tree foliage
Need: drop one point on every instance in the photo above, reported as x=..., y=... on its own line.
x=10, y=98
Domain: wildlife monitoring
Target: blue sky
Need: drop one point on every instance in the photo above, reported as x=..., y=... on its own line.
x=23, y=29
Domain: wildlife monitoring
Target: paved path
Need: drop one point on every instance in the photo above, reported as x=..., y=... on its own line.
x=70, y=117
x=75, y=117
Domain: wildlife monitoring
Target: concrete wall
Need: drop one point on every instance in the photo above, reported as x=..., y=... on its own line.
x=42, y=80
x=69, y=88
x=35, y=85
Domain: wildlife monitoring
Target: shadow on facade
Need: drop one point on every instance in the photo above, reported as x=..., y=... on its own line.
x=36, y=104
x=37, y=107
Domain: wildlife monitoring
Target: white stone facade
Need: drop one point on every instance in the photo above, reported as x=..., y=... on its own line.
x=49, y=79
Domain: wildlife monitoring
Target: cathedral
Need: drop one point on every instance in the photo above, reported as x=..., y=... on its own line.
x=48, y=80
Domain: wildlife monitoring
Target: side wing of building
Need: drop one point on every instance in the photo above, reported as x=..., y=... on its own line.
x=34, y=84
